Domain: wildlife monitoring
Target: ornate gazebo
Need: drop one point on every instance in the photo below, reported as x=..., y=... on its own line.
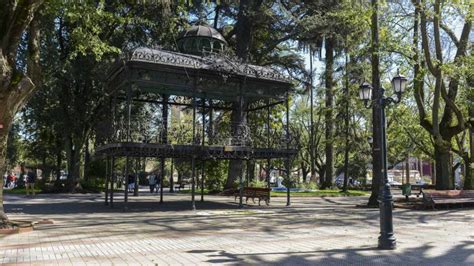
x=199, y=77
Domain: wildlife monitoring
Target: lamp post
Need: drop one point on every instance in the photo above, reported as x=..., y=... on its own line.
x=386, y=239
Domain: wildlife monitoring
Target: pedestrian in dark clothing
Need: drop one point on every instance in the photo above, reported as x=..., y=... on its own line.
x=30, y=182
x=131, y=183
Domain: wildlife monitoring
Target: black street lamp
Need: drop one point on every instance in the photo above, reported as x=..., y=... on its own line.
x=386, y=239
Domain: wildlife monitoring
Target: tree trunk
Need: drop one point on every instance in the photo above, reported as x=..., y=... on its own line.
x=87, y=160
x=73, y=154
x=58, y=165
x=6, y=122
x=251, y=170
x=407, y=169
x=329, y=144
x=469, y=176
x=243, y=29
x=469, y=172
x=305, y=172
x=238, y=122
x=444, y=162
x=16, y=18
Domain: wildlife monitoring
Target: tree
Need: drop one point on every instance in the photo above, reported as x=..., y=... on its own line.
x=446, y=119
x=17, y=79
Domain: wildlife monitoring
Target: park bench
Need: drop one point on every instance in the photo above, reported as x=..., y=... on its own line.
x=409, y=189
x=447, y=197
x=180, y=185
x=254, y=193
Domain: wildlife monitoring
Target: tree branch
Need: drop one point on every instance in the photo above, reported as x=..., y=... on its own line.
x=16, y=24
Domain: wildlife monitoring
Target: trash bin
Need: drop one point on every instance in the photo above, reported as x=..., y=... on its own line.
x=406, y=190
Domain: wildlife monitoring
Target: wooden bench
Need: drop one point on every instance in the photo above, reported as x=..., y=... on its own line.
x=180, y=186
x=254, y=193
x=447, y=197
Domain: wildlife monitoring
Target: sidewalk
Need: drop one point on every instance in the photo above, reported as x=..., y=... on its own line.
x=328, y=231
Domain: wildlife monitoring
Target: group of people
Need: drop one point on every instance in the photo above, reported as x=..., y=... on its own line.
x=29, y=178
x=10, y=180
x=154, y=182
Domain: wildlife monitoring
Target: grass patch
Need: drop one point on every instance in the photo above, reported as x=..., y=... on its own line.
x=19, y=191
x=321, y=193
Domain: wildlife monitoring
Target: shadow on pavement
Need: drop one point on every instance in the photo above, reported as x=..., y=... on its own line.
x=461, y=254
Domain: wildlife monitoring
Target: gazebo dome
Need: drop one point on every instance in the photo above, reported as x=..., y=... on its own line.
x=201, y=39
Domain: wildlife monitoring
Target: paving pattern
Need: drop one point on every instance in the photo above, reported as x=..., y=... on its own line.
x=327, y=231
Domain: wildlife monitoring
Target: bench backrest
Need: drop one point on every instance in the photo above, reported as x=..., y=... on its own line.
x=256, y=192
x=440, y=194
x=467, y=193
x=434, y=194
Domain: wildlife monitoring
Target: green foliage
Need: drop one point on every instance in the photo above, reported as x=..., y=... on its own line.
x=216, y=174
x=258, y=183
x=309, y=186
x=92, y=185
x=96, y=170
x=70, y=113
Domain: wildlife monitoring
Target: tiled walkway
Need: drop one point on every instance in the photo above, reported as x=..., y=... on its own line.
x=328, y=231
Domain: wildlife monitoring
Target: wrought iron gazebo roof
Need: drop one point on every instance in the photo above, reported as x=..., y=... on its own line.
x=213, y=76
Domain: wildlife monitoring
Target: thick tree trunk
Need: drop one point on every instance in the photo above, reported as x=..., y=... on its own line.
x=243, y=29
x=469, y=176
x=469, y=173
x=251, y=170
x=73, y=154
x=329, y=145
x=5, y=121
x=407, y=169
x=238, y=121
x=58, y=165
x=305, y=171
x=87, y=160
x=444, y=162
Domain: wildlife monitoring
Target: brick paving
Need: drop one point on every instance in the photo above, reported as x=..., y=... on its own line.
x=327, y=231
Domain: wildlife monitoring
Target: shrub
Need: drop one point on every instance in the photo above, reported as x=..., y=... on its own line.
x=308, y=186
x=258, y=183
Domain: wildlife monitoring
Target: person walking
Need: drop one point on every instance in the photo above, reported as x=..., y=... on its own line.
x=30, y=183
x=131, y=183
x=152, y=182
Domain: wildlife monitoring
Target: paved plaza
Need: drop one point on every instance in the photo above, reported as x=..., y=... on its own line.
x=323, y=231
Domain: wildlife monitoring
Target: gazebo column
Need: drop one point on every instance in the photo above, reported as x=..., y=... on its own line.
x=127, y=170
x=211, y=129
x=112, y=181
x=193, y=159
x=247, y=173
x=164, y=140
x=137, y=173
x=203, y=161
x=114, y=137
x=129, y=139
x=107, y=180
x=171, y=175
x=268, y=172
x=288, y=173
x=240, y=131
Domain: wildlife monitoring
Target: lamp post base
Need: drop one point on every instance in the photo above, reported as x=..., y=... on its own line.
x=387, y=242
